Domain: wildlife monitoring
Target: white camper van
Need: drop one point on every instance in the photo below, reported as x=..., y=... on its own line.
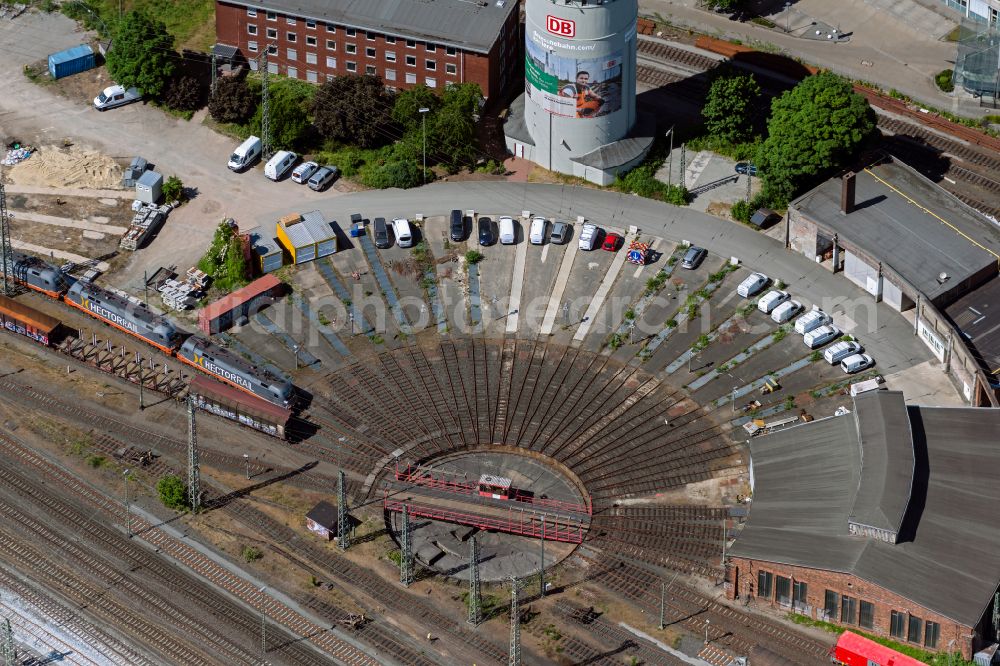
x=246, y=154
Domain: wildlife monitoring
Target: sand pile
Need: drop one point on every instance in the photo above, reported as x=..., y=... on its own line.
x=73, y=167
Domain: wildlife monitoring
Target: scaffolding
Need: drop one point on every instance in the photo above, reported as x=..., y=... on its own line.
x=977, y=66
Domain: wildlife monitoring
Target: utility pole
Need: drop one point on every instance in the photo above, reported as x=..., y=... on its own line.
x=265, y=106
x=246, y=459
x=263, y=628
x=138, y=361
x=6, y=252
x=683, y=165
x=194, y=473
x=663, y=599
x=7, y=644
x=423, y=123
x=214, y=71
x=670, y=157
x=475, y=607
x=541, y=569
x=514, y=658
x=996, y=614
x=405, y=554
x=145, y=287
x=343, y=538
x=128, y=507
x=749, y=180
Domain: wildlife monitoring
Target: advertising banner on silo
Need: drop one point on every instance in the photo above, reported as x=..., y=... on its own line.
x=573, y=87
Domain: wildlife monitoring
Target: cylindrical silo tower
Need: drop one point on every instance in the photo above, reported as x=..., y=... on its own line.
x=579, y=81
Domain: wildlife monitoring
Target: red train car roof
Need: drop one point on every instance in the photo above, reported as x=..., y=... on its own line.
x=870, y=650
x=215, y=389
x=240, y=296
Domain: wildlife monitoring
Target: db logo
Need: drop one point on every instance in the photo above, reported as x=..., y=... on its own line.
x=560, y=26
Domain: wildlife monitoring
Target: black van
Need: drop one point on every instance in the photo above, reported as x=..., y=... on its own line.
x=457, y=226
x=381, y=234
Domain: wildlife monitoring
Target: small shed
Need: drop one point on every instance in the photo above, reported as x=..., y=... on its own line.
x=71, y=61
x=322, y=520
x=268, y=255
x=238, y=306
x=306, y=237
x=135, y=169
x=149, y=187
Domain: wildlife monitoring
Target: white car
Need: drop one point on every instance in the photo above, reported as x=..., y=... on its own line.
x=856, y=363
x=771, y=300
x=116, y=95
x=837, y=352
x=588, y=236
x=821, y=336
x=812, y=319
x=303, y=172
x=786, y=311
x=752, y=285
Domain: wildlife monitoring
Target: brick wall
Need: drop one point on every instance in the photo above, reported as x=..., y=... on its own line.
x=742, y=583
x=315, y=51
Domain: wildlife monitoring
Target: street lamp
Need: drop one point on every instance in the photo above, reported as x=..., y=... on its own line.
x=670, y=157
x=423, y=123
x=788, y=6
x=246, y=459
x=707, y=623
x=350, y=316
x=295, y=350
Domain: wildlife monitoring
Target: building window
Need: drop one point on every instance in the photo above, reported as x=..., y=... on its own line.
x=370, y=36
x=430, y=48
x=310, y=58
x=848, y=610
x=292, y=54
x=311, y=41
x=311, y=77
x=252, y=46
x=291, y=36
x=331, y=77
x=389, y=39
x=411, y=77
x=831, y=602
x=867, y=616
x=251, y=30
x=390, y=75
x=931, y=634
x=331, y=45
x=451, y=68
x=293, y=73
x=289, y=20
x=411, y=61
x=430, y=82
x=331, y=28
x=897, y=624
x=351, y=48
x=272, y=68
x=370, y=52
x=311, y=24
x=271, y=16
x=370, y=70
x=390, y=56
x=799, y=594
x=251, y=12
x=765, y=583
x=351, y=32
x=272, y=49
x=352, y=66
x=331, y=63
x=914, y=628
x=430, y=65
x=410, y=44
x=783, y=590
x=450, y=50
x=272, y=33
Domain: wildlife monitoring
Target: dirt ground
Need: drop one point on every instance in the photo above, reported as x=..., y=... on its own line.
x=56, y=165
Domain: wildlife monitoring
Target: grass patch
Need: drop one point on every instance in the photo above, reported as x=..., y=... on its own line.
x=655, y=283
x=780, y=334
x=38, y=75
x=191, y=22
x=702, y=342
x=815, y=356
x=376, y=339
x=616, y=341
x=473, y=257
x=760, y=20
x=96, y=461
x=251, y=554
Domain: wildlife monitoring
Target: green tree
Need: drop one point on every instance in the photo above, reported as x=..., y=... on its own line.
x=401, y=173
x=354, y=109
x=141, y=54
x=406, y=109
x=172, y=492
x=453, y=136
x=465, y=96
x=225, y=260
x=728, y=109
x=173, y=189
x=232, y=100
x=184, y=94
x=814, y=129
x=290, y=101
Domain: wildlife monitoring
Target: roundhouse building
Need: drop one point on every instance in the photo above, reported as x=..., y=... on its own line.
x=882, y=520
x=405, y=42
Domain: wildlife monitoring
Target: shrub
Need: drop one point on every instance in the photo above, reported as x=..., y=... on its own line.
x=184, y=94
x=780, y=334
x=630, y=314
x=173, y=189
x=96, y=461
x=172, y=492
x=232, y=100
x=741, y=211
x=945, y=80
x=403, y=174
x=816, y=356
x=251, y=554
x=671, y=323
x=473, y=257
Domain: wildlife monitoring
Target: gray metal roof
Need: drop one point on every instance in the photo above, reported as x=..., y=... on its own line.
x=913, y=226
x=263, y=242
x=623, y=151
x=311, y=230
x=472, y=25
x=324, y=514
x=886, y=460
x=806, y=478
x=977, y=316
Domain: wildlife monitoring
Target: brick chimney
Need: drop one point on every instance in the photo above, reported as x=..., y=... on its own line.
x=847, y=188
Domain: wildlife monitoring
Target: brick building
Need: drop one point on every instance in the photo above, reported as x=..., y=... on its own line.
x=405, y=42
x=881, y=520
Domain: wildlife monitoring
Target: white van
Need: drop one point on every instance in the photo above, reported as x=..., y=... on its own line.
x=538, y=227
x=771, y=300
x=786, y=311
x=247, y=153
x=838, y=351
x=588, y=236
x=115, y=95
x=812, y=319
x=507, y=235
x=856, y=363
x=279, y=165
x=821, y=336
x=401, y=229
x=753, y=284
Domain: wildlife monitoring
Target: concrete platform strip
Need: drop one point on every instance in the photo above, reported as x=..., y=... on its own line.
x=681, y=317
x=66, y=222
x=329, y=274
x=475, y=300
x=555, y=298
x=14, y=188
x=757, y=383
x=517, y=283
x=760, y=345
x=602, y=291
x=713, y=335
x=323, y=329
x=383, y=281
x=305, y=358
x=437, y=304
x=644, y=301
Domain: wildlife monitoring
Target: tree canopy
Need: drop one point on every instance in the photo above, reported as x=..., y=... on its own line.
x=141, y=54
x=289, y=102
x=406, y=109
x=172, y=492
x=815, y=128
x=224, y=260
x=729, y=107
x=232, y=100
x=354, y=109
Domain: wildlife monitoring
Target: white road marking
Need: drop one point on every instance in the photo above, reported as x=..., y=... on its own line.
x=556, y=296
x=601, y=294
x=545, y=252
x=514, y=304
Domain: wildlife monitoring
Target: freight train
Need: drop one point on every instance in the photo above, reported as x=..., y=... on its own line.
x=134, y=318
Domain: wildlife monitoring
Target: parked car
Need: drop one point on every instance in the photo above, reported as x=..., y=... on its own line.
x=588, y=236
x=245, y=154
x=693, y=257
x=114, y=96
x=812, y=319
x=381, y=232
x=323, y=177
x=821, y=336
x=538, y=227
x=837, y=352
x=401, y=229
x=612, y=242
x=486, y=235
x=560, y=233
x=279, y=165
x=752, y=285
x=856, y=363
x=786, y=311
x=457, y=226
x=508, y=235
x=303, y=172
x=746, y=168
x=771, y=300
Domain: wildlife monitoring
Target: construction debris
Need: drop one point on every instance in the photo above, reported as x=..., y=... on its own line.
x=17, y=153
x=147, y=220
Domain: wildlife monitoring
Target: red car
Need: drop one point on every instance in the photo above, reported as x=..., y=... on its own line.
x=612, y=242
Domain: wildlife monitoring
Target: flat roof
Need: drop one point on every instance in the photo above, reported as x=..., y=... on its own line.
x=806, y=479
x=467, y=24
x=977, y=316
x=909, y=224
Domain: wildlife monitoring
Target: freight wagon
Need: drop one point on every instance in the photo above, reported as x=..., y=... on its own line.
x=248, y=410
x=27, y=321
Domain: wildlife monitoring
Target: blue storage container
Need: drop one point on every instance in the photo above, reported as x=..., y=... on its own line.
x=72, y=61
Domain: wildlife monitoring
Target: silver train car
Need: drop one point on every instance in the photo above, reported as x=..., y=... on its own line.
x=39, y=275
x=124, y=314
x=235, y=370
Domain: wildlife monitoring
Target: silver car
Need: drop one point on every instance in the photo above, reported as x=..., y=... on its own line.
x=322, y=178
x=560, y=233
x=694, y=256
